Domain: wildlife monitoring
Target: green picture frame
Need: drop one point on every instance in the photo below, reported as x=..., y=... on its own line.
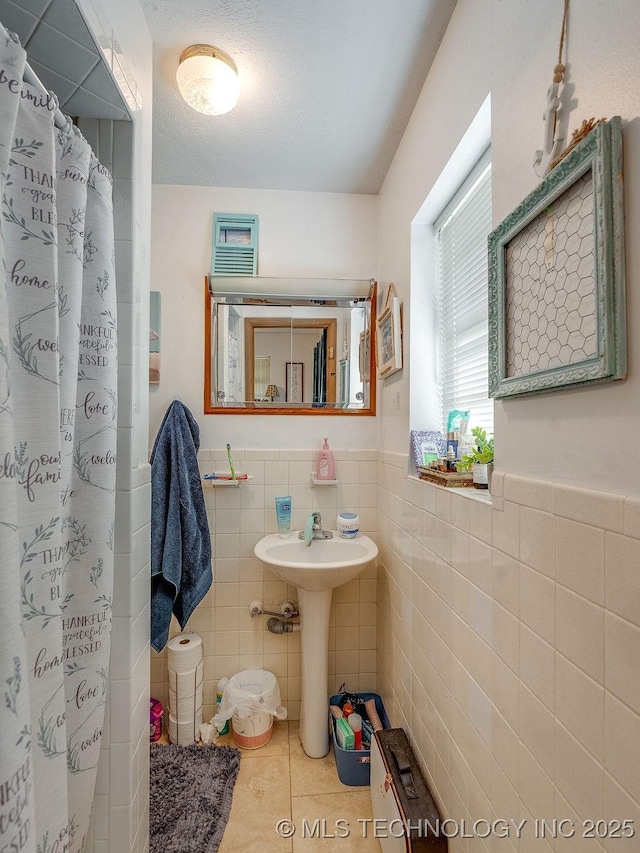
x=557, y=313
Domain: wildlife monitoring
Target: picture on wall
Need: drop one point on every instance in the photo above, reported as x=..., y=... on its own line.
x=154, y=337
x=556, y=276
x=295, y=379
x=389, y=336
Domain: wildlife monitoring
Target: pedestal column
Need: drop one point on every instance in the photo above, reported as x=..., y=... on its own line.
x=315, y=609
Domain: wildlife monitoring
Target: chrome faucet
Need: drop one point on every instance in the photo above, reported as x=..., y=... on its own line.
x=313, y=529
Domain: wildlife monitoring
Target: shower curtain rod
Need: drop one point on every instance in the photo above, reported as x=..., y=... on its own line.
x=60, y=120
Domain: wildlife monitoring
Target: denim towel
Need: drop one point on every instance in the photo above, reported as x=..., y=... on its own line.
x=180, y=540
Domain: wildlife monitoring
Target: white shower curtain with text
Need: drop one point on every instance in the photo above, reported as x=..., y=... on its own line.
x=58, y=379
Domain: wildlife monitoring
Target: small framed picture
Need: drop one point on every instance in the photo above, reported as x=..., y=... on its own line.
x=295, y=382
x=389, y=336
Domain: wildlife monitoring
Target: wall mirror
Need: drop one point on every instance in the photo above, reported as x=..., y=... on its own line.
x=289, y=346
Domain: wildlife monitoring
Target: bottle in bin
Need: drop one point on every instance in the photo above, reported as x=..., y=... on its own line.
x=355, y=721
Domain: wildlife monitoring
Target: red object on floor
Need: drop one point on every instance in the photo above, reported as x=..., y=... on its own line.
x=155, y=720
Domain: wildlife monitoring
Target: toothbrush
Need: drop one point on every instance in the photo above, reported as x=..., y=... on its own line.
x=233, y=472
x=215, y=476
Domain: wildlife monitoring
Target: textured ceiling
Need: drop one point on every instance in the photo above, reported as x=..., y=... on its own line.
x=327, y=88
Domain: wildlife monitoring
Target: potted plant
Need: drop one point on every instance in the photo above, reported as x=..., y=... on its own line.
x=480, y=460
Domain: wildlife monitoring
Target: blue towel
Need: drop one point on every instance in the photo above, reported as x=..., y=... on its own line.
x=180, y=539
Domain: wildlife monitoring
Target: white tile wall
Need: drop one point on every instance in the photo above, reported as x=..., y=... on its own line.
x=512, y=656
x=507, y=638
x=64, y=55
x=238, y=518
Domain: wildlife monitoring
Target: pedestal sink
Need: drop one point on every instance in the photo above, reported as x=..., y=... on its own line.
x=315, y=570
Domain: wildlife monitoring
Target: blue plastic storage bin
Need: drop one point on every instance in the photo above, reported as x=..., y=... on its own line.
x=354, y=765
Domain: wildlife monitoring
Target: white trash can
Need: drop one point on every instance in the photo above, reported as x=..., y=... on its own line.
x=251, y=699
x=253, y=731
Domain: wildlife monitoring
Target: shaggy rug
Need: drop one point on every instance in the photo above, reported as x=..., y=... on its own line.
x=190, y=792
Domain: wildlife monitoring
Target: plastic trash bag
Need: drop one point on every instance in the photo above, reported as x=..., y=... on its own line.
x=208, y=734
x=249, y=692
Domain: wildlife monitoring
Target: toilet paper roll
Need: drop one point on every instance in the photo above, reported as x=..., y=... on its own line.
x=186, y=683
x=184, y=652
x=184, y=732
x=185, y=707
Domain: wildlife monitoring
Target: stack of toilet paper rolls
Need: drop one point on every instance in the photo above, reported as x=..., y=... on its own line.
x=186, y=672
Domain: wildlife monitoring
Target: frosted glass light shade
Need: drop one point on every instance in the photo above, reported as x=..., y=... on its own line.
x=208, y=79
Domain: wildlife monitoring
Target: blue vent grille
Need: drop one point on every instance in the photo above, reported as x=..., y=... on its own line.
x=235, y=244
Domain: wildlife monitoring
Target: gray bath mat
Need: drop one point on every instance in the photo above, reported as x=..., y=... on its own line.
x=190, y=791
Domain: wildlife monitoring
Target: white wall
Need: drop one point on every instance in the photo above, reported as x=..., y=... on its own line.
x=238, y=518
x=508, y=639
x=301, y=234
x=456, y=87
x=508, y=630
x=585, y=436
x=508, y=50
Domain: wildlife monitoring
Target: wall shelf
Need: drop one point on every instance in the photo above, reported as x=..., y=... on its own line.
x=224, y=481
x=317, y=482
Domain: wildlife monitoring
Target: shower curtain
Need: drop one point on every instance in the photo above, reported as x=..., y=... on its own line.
x=58, y=384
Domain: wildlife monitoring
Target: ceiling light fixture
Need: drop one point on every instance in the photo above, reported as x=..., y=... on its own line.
x=208, y=79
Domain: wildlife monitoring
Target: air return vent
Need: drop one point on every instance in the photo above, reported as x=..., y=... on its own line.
x=235, y=244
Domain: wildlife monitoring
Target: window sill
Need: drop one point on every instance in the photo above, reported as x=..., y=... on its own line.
x=479, y=495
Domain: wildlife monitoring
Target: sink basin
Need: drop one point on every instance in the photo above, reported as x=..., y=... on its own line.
x=318, y=567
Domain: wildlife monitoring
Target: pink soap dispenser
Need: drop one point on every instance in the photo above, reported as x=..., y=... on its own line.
x=325, y=464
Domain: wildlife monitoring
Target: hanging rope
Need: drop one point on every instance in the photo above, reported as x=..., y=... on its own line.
x=558, y=76
x=558, y=71
x=563, y=31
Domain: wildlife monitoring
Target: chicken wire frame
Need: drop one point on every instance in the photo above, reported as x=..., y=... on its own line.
x=598, y=159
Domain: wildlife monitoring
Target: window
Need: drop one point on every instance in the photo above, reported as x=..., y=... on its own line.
x=261, y=375
x=460, y=234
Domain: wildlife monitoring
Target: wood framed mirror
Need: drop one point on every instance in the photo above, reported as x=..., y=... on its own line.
x=289, y=346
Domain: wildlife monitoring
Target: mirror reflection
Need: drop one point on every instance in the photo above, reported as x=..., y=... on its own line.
x=291, y=352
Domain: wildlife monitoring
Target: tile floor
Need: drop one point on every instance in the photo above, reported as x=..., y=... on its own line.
x=279, y=782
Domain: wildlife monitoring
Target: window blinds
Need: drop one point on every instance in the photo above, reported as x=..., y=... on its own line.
x=461, y=234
